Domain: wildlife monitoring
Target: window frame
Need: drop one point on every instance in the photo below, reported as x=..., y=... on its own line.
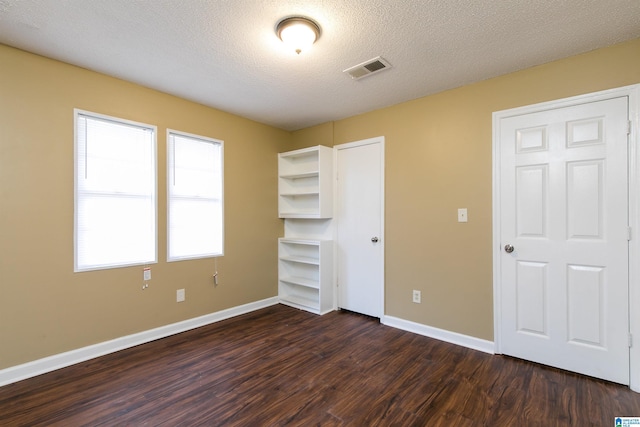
x=76, y=190
x=204, y=139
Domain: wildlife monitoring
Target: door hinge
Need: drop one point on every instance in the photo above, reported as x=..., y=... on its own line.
x=629, y=127
x=630, y=340
x=629, y=233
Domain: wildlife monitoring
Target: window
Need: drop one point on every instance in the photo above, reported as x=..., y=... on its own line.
x=115, y=192
x=195, y=196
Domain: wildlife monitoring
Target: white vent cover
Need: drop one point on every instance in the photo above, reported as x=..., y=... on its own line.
x=368, y=68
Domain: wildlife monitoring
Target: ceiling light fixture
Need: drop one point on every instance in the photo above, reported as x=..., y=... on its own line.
x=298, y=32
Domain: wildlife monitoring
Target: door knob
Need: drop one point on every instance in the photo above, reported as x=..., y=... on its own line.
x=374, y=239
x=508, y=248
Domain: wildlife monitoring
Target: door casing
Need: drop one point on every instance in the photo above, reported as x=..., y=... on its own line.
x=633, y=94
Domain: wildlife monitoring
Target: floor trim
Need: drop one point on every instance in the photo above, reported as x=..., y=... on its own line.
x=61, y=360
x=440, y=334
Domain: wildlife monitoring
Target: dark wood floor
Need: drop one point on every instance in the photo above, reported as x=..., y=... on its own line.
x=281, y=366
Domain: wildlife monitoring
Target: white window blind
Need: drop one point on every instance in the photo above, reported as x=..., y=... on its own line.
x=195, y=196
x=115, y=193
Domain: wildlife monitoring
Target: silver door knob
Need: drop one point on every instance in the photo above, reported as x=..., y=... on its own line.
x=374, y=239
x=508, y=248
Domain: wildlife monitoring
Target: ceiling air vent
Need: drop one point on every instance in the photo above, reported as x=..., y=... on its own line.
x=367, y=68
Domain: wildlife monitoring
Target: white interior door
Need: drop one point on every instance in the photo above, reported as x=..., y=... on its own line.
x=564, y=235
x=359, y=226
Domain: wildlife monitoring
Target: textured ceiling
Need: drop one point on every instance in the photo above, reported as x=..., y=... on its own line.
x=225, y=54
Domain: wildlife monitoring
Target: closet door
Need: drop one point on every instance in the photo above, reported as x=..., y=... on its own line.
x=359, y=226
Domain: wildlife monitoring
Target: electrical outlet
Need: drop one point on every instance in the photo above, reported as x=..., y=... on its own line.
x=417, y=297
x=180, y=295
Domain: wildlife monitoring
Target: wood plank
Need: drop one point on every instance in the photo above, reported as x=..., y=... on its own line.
x=282, y=366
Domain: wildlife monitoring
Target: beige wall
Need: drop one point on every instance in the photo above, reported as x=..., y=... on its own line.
x=439, y=159
x=45, y=308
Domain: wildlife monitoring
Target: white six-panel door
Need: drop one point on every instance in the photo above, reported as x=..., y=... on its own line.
x=563, y=281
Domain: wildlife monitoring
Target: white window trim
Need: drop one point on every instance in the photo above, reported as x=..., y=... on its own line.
x=77, y=112
x=203, y=138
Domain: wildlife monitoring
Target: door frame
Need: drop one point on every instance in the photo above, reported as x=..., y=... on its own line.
x=375, y=140
x=633, y=94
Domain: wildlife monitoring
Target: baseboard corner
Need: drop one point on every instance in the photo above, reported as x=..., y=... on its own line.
x=473, y=343
x=57, y=361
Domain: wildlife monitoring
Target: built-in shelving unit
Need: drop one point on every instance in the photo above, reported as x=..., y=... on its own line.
x=305, y=189
x=305, y=274
x=305, y=253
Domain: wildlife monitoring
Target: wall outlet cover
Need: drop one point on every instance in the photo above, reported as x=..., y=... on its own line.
x=417, y=297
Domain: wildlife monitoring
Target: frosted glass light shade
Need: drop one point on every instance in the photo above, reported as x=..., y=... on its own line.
x=298, y=33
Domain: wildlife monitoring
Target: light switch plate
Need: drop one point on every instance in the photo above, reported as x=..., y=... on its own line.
x=462, y=215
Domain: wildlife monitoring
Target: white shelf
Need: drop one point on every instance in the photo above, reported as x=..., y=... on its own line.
x=300, y=241
x=300, y=154
x=301, y=193
x=305, y=255
x=301, y=260
x=300, y=175
x=305, y=273
x=305, y=188
x=299, y=214
x=301, y=281
x=303, y=303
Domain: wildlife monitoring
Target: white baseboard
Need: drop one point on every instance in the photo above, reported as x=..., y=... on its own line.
x=57, y=361
x=440, y=334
